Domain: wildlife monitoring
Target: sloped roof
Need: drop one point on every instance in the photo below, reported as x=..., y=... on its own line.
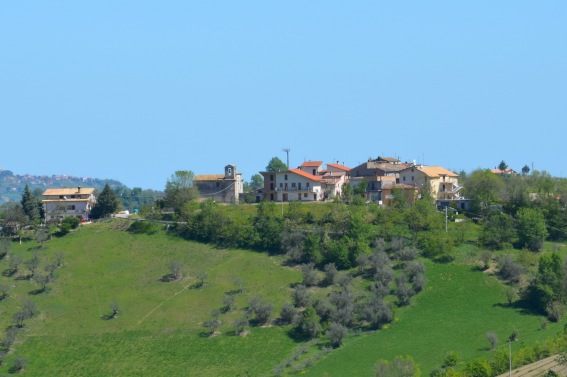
x=306, y=175
x=69, y=191
x=386, y=159
x=505, y=171
x=208, y=177
x=436, y=171
x=311, y=164
x=338, y=166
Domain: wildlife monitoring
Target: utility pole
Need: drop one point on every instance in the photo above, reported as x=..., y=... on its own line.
x=286, y=150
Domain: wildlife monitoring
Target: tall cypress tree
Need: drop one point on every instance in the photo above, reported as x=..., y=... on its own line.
x=29, y=204
x=106, y=203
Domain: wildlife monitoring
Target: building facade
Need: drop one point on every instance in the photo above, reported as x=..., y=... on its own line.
x=292, y=185
x=224, y=188
x=65, y=202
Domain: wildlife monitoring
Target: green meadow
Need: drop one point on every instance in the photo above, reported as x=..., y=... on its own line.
x=159, y=329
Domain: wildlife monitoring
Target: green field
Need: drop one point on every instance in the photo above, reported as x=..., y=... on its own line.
x=454, y=313
x=159, y=330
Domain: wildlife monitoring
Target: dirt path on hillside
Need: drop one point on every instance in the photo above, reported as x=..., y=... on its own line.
x=539, y=369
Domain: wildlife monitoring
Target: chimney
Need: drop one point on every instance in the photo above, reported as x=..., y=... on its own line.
x=79, y=189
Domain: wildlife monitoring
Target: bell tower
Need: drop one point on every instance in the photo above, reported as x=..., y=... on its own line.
x=230, y=172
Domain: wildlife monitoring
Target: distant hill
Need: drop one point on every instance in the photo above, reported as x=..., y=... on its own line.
x=12, y=185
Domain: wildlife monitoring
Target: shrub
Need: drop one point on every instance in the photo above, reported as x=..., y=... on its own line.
x=510, y=270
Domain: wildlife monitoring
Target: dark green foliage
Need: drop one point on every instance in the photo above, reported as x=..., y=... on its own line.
x=275, y=165
x=310, y=324
x=548, y=285
x=484, y=188
x=106, y=203
x=531, y=229
x=478, y=368
x=5, y=244
x=72, y=221
x=19, y=364
x=144, y=227
x=179, y=190
x=498, y=232
x=30, y=204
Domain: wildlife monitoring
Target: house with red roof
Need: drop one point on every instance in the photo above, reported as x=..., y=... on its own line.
x=309, y=182
x=292, y=185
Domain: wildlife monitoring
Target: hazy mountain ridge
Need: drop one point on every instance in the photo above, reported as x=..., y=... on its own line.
x=12, y=185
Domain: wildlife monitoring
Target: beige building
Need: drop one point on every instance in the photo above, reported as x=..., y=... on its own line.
x=224, y=188
x=64, y=202
x=443, y=184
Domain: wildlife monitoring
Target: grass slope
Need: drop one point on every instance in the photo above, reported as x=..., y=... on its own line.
x=159, y=330
x=454, y=313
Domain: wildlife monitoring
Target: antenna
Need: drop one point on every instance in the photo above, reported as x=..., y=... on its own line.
x=286, y=150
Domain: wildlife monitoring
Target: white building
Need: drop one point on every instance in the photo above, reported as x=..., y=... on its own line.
x=292, y=185
x=64, y=202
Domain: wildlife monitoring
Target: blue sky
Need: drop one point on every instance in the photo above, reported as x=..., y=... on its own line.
x=135, y=90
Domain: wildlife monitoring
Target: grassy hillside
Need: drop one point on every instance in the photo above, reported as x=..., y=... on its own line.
x=454, y=313
x=159, y=331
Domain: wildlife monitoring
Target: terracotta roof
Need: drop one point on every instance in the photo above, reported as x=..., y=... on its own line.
x=311, y=164
x=505, y=171
x=69, y=191
x=436, y=171
x=337, y=166
x=306, y=175
x=208, y=177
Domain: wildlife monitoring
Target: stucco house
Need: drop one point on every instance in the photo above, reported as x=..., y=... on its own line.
x=335, y=177
x=292, y=185
x=442, y=184
x=224, y=188
x=64, y=202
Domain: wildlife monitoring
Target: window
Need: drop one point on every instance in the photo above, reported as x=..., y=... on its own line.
x=305, y=195
x=404, y=178
x=285, y=177
x=271, y=177
x=281, y=185
x=412, y=178
x=299, y=186
x=293, y=184
x=298, y=196
x=314, y=171
x=307, y=184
